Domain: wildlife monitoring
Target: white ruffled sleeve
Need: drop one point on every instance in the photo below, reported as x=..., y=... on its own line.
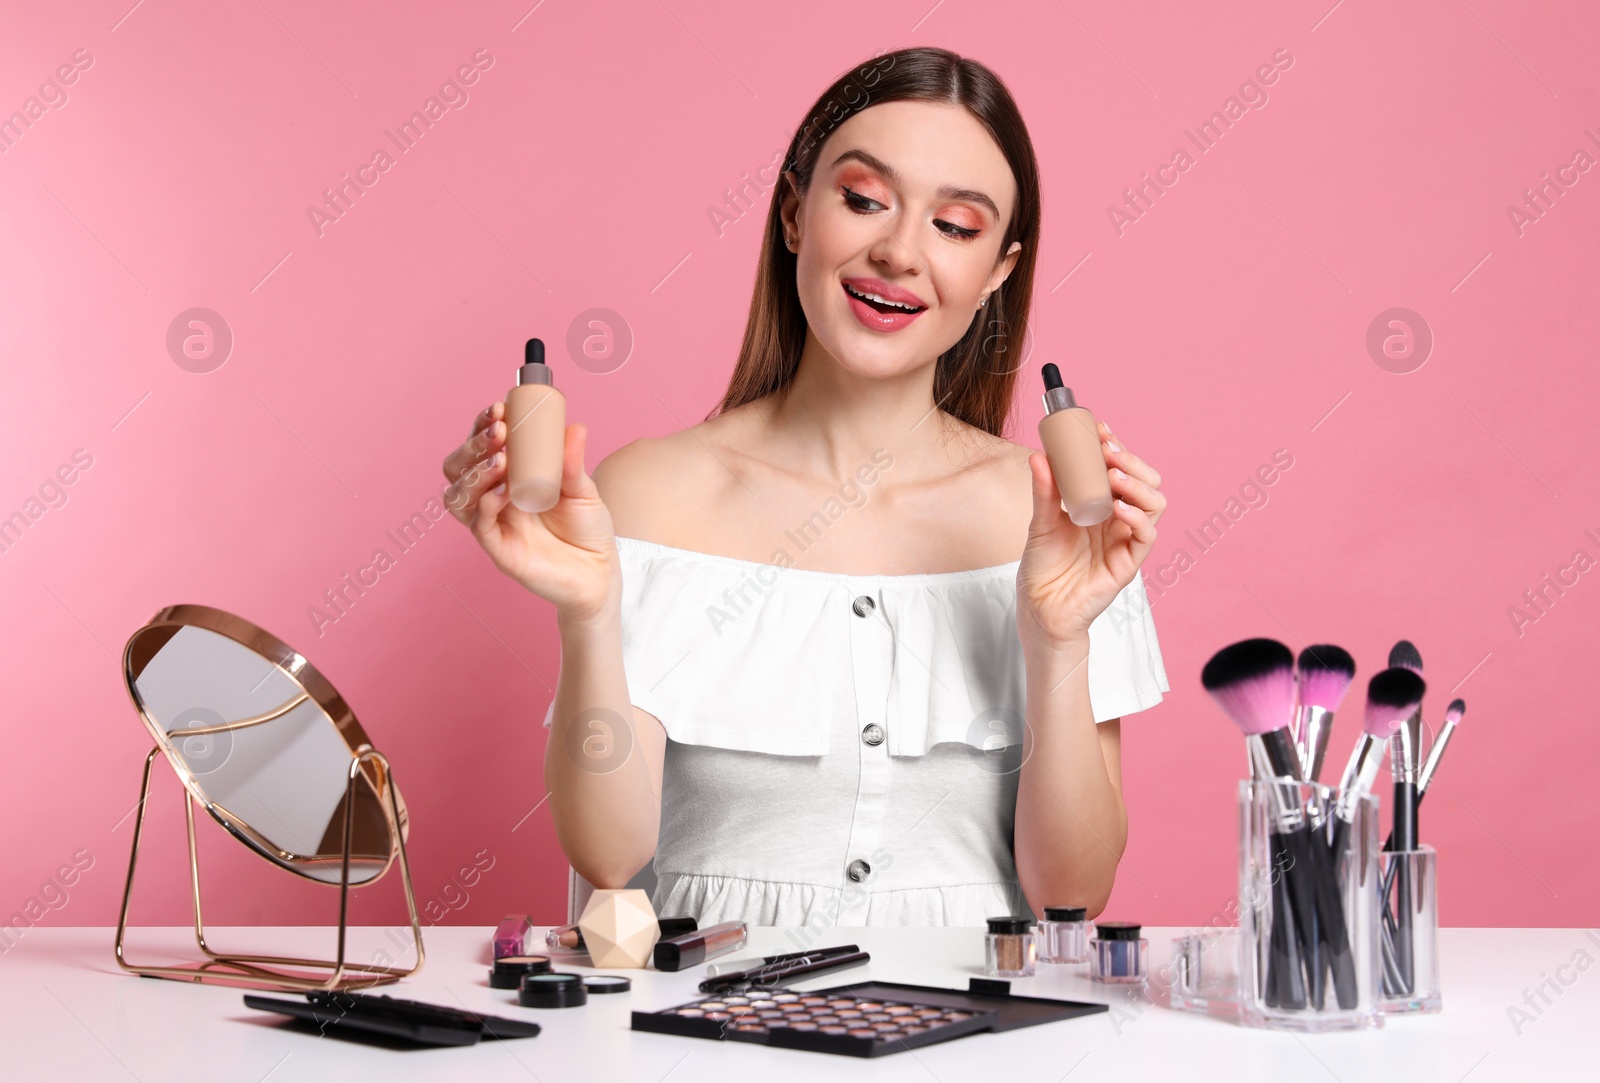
x=959, y=675
x=719, y=656
x=1126, y=673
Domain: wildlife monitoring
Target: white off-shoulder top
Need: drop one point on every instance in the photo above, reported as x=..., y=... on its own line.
x=844, y=749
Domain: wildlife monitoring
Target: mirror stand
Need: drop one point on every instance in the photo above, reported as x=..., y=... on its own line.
x=264, y=971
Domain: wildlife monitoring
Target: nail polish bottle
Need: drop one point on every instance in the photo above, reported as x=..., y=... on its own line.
x=1072, y=444
x=536, y=432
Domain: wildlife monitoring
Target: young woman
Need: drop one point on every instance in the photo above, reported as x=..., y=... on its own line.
x=836, y=655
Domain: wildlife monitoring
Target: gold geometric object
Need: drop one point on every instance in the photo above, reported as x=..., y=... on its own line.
x=619, y=928
x=309, y=793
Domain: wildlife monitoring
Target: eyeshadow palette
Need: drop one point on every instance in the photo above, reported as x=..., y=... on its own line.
x=865, y=1019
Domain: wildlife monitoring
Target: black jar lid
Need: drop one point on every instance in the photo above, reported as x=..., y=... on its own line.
x=1011, y=924
x=554, y=990
x=606, y=983
x=1065, y=913
x=509, y=970
x=1117, y=930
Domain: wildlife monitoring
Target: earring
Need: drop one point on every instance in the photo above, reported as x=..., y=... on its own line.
x=789, y=241
x=984, y=301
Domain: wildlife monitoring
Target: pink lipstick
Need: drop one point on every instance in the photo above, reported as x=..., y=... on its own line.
x=880, y=306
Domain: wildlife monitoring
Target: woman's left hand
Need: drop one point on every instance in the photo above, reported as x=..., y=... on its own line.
x=1070, y=574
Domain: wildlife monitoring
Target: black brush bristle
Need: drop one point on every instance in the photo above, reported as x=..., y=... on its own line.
x=1396, y=687
x=1328, y=658
x=1244, y=660
x=1405, y=653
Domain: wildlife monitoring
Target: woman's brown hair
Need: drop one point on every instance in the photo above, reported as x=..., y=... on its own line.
x=974, y=378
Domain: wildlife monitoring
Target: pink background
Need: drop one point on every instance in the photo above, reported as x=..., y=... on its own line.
x=1229, y=322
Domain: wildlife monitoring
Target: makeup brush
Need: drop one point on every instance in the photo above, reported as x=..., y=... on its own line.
x=1404, y=654
x=1253, y=682
x=1452, y=717
x=1404, y=763
x=1392, y=696
x=1436, y=752
x=1323, y=673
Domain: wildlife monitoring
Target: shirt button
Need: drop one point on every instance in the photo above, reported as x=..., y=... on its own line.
x=858, y=870
x=872, y=735
x=863, y=605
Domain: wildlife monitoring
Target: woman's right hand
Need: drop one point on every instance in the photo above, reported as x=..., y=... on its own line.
x=567, y=555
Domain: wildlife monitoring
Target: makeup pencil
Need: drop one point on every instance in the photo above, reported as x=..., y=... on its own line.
x=771, y=974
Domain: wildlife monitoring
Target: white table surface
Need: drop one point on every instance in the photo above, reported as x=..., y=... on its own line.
x=68, y=1013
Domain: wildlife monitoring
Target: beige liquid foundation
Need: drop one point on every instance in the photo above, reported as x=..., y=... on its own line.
x=1072, y=444
x=536, y=430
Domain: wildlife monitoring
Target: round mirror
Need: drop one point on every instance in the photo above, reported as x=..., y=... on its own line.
x=263, y=741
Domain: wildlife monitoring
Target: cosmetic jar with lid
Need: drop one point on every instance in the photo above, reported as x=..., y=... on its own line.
x=1120, y=953
x=1009, y=948
x=1064, y=935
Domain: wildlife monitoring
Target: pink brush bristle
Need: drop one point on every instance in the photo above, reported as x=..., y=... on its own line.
x=1324, y=672
x=1253, y=682
x=1456, y=711
x=1391, y=698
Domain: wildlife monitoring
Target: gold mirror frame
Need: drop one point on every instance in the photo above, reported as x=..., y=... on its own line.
x=368, y=768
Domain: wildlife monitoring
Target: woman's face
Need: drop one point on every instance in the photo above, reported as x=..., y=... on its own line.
x=908, y=203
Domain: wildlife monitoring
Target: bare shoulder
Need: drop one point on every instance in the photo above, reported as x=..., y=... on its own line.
x=994, y=463
x=991, y=483
x=648, y=484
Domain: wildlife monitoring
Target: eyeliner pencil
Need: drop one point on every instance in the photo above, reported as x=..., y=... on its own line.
x=774, y=973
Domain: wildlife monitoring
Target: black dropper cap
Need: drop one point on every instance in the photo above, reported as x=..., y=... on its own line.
x=1052, y=377
x=533, y=370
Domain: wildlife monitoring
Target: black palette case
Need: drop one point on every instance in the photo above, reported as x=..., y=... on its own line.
x=392, y=1018
x=864, y=1019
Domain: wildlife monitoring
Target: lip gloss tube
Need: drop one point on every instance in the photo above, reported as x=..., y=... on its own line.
x=677, y=952
x=569, y=938
x=512, y=936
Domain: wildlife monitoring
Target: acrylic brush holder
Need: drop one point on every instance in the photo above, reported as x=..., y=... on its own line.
x=1308, y=908
x=1408, y=909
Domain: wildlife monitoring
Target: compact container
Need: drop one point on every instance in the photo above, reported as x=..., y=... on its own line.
x=509, y=970
x=552, y=990
x=1409, y=951
x=1119, y=954
x=1063, y=935
x=1308, y=907
x=1009, y=950
x=1205, y=973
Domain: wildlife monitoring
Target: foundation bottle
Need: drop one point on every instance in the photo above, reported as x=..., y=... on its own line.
x=536, y=430
x=1072, y=444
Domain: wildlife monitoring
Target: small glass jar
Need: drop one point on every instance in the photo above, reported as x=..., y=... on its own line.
x=1009, y=948
x=1064, y=935
x=1120, y=953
